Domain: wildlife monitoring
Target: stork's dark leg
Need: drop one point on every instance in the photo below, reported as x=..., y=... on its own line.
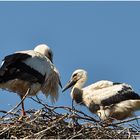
x=75, y=120
x=72, y=104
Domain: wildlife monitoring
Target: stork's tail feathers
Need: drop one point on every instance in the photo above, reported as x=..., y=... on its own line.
x=51, y=87
x=135, y=104
x=128, y=106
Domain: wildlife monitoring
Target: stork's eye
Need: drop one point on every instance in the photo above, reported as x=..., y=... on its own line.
x=75, y=75
x=50, y=55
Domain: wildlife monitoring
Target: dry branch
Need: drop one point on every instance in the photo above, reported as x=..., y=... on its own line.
x=49, y=123
x=9, y=112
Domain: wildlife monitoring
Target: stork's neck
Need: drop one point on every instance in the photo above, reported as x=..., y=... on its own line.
x=77, y=92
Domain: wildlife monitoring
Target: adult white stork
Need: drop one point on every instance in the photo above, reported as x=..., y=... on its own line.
x=107, y=99
x=30, y=69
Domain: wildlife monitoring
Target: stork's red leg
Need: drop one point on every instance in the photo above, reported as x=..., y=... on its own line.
x=22, y=101
x=23, y=110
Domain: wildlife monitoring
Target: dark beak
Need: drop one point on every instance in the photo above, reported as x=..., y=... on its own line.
x=51, y=59
x=60, y=84
x=69, y=84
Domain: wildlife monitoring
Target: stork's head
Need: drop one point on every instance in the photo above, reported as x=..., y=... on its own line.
x=78, y=77
x=45, y=50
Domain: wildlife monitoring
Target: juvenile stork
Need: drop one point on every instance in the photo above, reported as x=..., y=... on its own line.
x=109, y=100
x=30, y=69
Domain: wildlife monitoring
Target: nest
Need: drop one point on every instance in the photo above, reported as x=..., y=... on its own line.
x=49, y=123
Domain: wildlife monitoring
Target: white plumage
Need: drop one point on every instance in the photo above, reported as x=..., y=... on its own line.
x=107, y=99
x=31, y=69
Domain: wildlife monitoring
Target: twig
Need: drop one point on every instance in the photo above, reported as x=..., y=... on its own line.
x=6, y=129
x=49, y=123
x=66, y=108
x=71, y=110
x=12, y=113
x=128, y=120
x=43, y=131
x=28, y=91
x=77, y=134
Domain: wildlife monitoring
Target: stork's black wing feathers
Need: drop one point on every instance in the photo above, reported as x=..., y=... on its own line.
x=125, y=94
x=116, y=83
x=10, y=60
x=14, y=68
x=16, y=57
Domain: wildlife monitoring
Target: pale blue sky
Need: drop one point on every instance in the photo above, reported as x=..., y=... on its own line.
x=100, y=37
